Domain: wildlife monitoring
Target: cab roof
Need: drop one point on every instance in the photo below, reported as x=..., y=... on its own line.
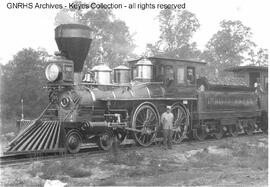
x=155, y=58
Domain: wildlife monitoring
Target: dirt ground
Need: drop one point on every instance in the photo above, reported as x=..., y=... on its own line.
x=241, y=161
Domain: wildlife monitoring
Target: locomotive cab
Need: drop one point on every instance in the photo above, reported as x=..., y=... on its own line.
x=171, y=72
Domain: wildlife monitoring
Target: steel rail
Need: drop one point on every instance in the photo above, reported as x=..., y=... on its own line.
x=16, y=159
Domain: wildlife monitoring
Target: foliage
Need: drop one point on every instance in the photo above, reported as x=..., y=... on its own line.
x=23, y=78
x=229, y=46
x=177, y=29
x=259, y=58
x=111, y=37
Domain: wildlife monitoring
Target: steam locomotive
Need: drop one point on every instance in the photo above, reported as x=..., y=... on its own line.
x=95, y=110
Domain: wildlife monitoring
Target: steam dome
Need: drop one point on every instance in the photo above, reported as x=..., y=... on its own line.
x=121, y=74
x=102, y=74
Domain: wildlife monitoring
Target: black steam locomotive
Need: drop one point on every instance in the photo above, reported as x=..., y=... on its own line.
x=94, y=109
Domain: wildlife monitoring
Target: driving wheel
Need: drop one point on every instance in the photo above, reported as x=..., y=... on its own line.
x=180, y=124
x=145, y=120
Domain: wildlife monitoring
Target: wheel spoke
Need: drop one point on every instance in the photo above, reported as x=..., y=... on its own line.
x=146, y=120
x=180, y=116
x=152, y=118
x=139, y=121
x=141, y=117
x=144, y=113
x=180, y=123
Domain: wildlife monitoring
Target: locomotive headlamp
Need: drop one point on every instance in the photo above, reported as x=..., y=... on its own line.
x=52, y=72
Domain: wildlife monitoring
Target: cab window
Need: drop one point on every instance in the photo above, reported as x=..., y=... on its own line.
x=169, y=74
x=190, y=75
x=180, y=75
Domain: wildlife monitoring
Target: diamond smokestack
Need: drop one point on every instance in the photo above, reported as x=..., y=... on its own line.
x=73, y=40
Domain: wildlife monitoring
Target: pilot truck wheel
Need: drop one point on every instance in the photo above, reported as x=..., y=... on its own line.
x=73, y=141
x=105, y=141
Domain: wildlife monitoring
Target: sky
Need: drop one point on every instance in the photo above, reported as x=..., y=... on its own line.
x=23, y=28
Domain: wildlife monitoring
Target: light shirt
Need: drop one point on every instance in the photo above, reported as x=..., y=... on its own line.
x=167, y=120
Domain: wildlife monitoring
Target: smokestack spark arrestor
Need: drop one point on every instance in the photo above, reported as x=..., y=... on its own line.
x=73, y=40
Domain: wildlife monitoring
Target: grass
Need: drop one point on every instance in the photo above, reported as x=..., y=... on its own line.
x=252, y=157
x=242, y=150
x=138, y=164
x=131, y=158
x=227, y=145
x=242, y=155
x=52, y=170
x=204, y=160
x=154, y=168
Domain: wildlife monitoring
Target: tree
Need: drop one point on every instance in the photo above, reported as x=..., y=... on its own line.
x=23, y=78
x=259, y=58
x=177, y=29
x=228, y=46
x=109, y=33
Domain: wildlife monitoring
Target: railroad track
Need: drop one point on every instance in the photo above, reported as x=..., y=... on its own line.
x=16, y=159
x=26, y=159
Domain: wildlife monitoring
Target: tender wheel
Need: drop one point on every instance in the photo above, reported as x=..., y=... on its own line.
x=218, y=135
x=146, y=120
x=73, y=141
x=200, y=134
x=264, y=122
x=105, y=141
x=249, y=128
x=234, y=130
x=181, y=123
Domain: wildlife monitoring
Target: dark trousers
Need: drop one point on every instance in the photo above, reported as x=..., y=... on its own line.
x=167, y=135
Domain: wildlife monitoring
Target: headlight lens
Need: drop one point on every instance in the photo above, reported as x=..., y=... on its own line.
x=52, y=72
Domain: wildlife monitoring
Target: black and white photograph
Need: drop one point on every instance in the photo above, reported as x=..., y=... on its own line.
x=134, y=93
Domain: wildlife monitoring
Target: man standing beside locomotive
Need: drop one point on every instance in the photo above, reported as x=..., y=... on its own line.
x=167, y=123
